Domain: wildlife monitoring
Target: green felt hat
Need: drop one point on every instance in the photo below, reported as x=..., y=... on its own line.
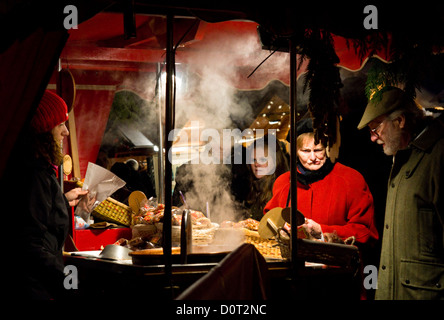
x=390, y=99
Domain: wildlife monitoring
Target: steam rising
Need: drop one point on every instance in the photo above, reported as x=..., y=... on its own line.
x=214, y=70
x=211, y=99
x=208, y=95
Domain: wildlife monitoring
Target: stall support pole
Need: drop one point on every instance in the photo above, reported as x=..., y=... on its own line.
x=293, y=156
x=161, y=156
x=169, y=105
x=59, y=92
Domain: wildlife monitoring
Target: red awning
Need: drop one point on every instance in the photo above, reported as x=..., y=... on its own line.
x=98, y=44
x=230, y=49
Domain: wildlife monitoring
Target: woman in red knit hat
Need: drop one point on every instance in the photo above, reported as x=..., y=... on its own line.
x=44, y=213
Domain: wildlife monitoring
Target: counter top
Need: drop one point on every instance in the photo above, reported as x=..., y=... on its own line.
x=107, y=278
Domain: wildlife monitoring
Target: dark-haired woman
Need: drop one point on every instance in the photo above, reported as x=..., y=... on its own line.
x=42, y=211
x=267, y=162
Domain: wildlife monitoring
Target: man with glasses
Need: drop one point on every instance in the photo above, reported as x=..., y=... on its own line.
x=412, y=253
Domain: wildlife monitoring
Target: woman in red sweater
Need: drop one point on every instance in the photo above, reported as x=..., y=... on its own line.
x=334, y=198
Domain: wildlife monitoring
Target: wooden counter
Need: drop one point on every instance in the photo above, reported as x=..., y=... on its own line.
x=100, y=278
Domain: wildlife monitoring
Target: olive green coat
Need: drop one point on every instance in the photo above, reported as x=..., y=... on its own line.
x=412, y=254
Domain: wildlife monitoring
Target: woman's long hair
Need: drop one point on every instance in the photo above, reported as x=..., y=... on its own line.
x=31, y=145
x=48, y=148
x=262, y=189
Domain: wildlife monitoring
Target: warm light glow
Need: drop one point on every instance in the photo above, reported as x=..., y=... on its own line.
x=163, y=78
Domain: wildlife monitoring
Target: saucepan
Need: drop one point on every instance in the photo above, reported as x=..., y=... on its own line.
x=110, y=252
x=115, y=252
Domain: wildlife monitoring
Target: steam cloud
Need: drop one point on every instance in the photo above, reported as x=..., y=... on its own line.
x=211, y=99
x=207, y=93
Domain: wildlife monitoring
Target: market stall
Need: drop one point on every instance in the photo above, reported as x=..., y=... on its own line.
x=138, y=72
x=199, y=248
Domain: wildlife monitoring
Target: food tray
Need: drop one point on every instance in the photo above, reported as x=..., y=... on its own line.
x=114, y=211
x=200, y=236
x=269, y=248
x=204, y=235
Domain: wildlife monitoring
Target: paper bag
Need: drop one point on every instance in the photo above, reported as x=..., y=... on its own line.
x=101, y=183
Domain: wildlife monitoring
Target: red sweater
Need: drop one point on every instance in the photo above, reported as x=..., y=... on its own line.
x=340, y=202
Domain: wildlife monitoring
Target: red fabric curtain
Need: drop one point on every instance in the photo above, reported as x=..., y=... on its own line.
x=26, y=67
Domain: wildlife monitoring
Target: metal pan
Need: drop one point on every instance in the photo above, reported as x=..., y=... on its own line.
x=110, y=252
x=115, y=252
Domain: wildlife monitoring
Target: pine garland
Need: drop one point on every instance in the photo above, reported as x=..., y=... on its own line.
x=409, y=63
x=410, y=58
x=323, y=80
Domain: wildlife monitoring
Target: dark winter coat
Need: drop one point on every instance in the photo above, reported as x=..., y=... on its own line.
x=41, y=227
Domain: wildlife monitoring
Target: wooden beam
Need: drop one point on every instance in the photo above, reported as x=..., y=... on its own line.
x=73, y=144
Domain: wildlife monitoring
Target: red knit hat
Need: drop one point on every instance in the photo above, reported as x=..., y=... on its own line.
x=51, y=112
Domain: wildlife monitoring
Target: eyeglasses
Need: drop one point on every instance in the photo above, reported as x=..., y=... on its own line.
x=375, y=130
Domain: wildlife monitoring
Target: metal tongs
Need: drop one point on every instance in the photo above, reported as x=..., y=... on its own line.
x=279, y=236
x=274, y=221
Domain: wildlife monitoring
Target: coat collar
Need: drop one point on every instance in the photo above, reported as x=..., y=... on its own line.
x=428, y=137
x=417, y=148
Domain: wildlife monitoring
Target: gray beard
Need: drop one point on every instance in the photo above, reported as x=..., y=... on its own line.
x=393, y=142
